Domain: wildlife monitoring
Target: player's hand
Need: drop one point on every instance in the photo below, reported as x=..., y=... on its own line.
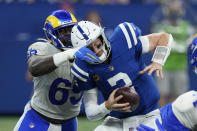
x=85, y=54
x=111, y=103
x=153, y=67
x=142, y=127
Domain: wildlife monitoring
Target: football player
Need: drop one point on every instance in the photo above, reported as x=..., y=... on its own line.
x=181, y=115
x=119, y=64
x=54, y=104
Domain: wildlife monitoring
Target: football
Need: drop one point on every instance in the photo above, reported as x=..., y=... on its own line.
x=129, y=95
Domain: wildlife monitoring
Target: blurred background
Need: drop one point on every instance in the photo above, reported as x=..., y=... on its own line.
x=22, y=21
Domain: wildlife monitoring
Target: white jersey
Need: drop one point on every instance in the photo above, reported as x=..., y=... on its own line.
x=53, y=95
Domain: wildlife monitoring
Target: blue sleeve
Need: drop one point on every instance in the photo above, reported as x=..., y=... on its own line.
x=128, y=35
x=81, y=75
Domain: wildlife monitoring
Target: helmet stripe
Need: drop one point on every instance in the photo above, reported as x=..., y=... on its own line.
x=82, y=32
x=54, y=21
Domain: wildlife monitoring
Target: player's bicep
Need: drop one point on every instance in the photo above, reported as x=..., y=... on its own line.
x=145, y=44
x=40, y=65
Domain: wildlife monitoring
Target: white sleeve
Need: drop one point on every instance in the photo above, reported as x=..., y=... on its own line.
x=94, y=111
x=145, y=43
x=185, y=109
x=61, y=57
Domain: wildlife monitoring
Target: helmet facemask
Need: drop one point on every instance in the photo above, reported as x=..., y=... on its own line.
x=64, y=36
x=106, y=48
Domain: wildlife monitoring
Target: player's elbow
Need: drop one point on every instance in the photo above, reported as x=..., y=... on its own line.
x=33, y=67
x=34, y=70
x=93, y=114
x=92, y=117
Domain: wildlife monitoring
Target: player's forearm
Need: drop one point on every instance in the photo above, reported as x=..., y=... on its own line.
x=41, y=65
x=162, y=50
x=94, y=111
x=161, y=40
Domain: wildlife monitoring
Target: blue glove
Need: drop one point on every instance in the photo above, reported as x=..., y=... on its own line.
x=146, y=128
x=85, y=54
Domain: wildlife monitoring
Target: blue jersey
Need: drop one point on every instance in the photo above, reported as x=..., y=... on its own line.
x=126, y=62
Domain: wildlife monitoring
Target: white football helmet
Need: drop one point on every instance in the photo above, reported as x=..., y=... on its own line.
x=85, y=32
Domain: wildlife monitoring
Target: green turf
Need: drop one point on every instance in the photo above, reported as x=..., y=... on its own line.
x=86, y=125
x=8, y=122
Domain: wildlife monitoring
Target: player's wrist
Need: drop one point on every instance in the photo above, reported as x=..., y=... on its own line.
x=104, y=109
x=106, y=105
x=161, y=54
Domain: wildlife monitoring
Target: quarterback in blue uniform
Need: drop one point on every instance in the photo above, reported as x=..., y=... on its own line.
x=118, y=63
x=181, y=115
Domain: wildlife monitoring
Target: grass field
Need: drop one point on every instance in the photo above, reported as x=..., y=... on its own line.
x=8, y=122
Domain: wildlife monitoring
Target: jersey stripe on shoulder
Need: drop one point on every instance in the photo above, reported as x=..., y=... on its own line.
x=79, y=73
x=80, y=70
x=78, y=76
x=132, y=32
x=124, y=30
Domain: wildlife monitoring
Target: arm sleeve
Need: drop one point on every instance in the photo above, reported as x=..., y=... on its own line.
x=130, y=34
x=145, y=43
x=94, y=111
x=82, y=76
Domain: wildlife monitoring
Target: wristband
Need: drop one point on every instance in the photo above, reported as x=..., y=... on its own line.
x=161, y=54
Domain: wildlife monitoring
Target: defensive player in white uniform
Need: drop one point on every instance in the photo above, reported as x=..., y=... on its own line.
x=54, y=104
x=181, y=115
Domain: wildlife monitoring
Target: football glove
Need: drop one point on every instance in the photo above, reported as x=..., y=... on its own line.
x=85, y=54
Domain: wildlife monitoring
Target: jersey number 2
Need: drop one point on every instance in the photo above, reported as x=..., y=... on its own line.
x=120, y=76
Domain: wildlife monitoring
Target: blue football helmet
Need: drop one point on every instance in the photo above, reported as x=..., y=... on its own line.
x=58, y=26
